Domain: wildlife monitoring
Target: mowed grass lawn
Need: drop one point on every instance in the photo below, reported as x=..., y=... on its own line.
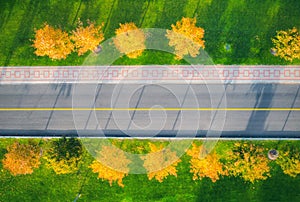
x=45, y=185
x=246, y=25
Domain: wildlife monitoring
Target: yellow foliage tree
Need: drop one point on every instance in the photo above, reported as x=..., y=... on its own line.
x=64, y=155
x=249, y=162
x=160, y=163
x=186, y=37
x=130, y=40
x=209, y=166
x=51, y=42
x=87, y=38
x=289, y=161
x=111, y=165
x=287, y=44
x=21, y=158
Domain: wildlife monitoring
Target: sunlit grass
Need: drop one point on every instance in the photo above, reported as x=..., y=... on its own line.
x=45, y=185
x=246, y=25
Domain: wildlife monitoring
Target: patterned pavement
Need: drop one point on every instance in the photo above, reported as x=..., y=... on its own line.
x=151, y=73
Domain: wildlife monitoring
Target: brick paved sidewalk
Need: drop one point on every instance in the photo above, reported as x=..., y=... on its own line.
x=151, y=73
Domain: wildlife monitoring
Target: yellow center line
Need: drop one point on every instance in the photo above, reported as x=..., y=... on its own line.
x=148, y=109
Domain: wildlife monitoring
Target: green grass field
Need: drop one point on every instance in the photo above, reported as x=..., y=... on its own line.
x=45, y=185
x=246, y=25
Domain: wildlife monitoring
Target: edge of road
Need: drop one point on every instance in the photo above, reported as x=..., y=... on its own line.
x=138, y=134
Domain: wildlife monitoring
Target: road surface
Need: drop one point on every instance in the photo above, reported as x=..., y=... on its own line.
x=147, y=110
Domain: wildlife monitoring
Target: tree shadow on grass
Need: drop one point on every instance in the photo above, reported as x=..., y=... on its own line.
x=247, y=26
x=125, y=11
x=34, y=15
x=6, y=6
x=208, y=18
x=279, y=187
x=3, y=151
x=286, y=18
x=225, y=189
x=172, y=12
x=92, y=10
x=57, y=14
x=24, y=30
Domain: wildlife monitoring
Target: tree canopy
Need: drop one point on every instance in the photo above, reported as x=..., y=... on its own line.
x=64, y=155
x=160, y=163
x=186, y=37
x=111, y=165
x=248, y=161
x=87, y=38
x=287, y=44
x=289, y=161
x=51, y=42
x=130, y=40
x=209, y=166
x=22, y=158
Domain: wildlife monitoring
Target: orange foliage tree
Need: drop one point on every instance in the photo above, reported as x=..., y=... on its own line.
x=160, y=163
x=51, y=42
x=130, y=40
x=21, y=158
x=287, y=44
x=64, y=155
x=87, y=38
x=249, y=162
x=209, y=166
x=111, y=164
x=186, y=37
x=289, y=161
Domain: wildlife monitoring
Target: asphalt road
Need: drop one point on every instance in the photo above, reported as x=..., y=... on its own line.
x=208, y=110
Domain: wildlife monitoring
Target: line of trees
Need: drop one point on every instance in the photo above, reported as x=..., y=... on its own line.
x=58, y=44
x=65, y=156
x=185, y=37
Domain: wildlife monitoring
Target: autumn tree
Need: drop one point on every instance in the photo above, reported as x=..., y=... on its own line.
x=186, y=37
x=130, y=40
x=208, y=166
x=111, y=164
x=64, y=155
x=289, y=161
x=248, y=161
x=287, y=44
x=51, y=42
x=87, y=38
x=160, y=163
x=22, y=158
